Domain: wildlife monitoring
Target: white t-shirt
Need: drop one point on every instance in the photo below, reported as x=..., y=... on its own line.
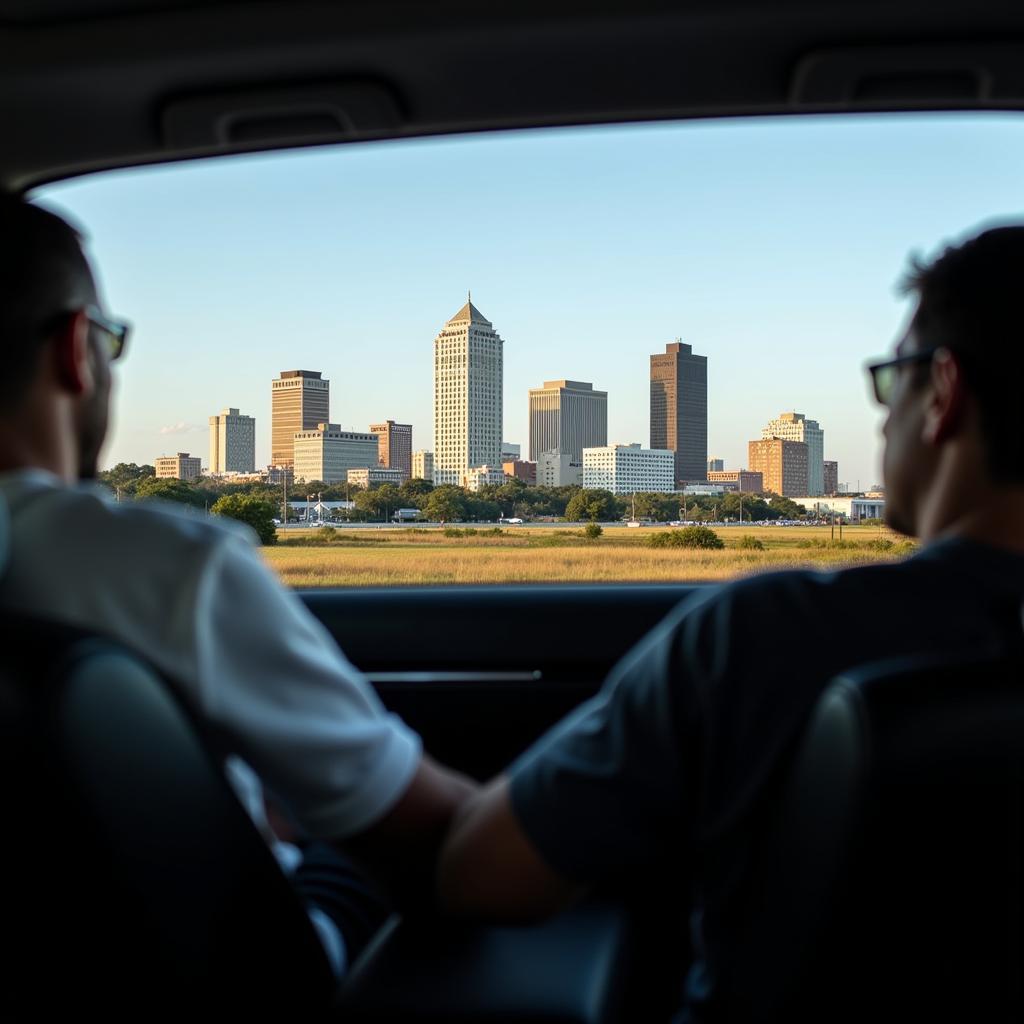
x=191, y=594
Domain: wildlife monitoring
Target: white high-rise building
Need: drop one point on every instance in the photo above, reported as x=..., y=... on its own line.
x=232, y=443
x=423, y=465
x=794, y=426
x=629, y=469
x=468, y=408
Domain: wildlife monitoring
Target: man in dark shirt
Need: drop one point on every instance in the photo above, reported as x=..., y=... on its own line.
x=671, y=761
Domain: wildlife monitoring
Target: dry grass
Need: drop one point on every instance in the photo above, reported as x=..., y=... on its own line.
x=361, y=557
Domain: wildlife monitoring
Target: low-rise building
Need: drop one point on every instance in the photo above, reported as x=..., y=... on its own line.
x=517, y=469
x=854, y=508
x=372, y=476
x=178, y=467
x=707, y=490
x=482, y=476
x=278, y=475
x=628, y=469
x=557, y=469
x=743, y=480
x=423, y=465
x=329, y=452
x=394, y=446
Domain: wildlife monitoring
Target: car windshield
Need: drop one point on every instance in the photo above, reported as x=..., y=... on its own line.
x=627, y=353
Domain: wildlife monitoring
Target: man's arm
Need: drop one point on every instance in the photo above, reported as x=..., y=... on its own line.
x=489, y=868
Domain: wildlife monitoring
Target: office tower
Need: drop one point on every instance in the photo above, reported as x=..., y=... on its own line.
x=299, y=400
x=781, y=463
x=679, y=409
x=716, y=465
x=423, y=465
x=831, y=478
x=394, y=450
x=467, y=395
x=628, y=469
x=794, y=426
x=178, y=467
x=328, y=453
x=567, y=416
x=510, y=451
x=232, y=443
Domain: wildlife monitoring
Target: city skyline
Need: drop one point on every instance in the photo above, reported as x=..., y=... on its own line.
x=774, y=248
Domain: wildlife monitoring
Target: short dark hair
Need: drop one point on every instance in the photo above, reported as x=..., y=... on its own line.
x=43, y=273
x=970, y=300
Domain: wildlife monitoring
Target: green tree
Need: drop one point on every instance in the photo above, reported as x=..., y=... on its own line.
x=125, y=477
x=446, y=504
x=592, y=505
x=171, y=489
x=251, y=510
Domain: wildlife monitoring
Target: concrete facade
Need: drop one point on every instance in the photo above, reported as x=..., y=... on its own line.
x=423, y=465
x=679, y=409
x=555, y=469
x=794, y=426
x=716, y=465
x=299, y=400
x=628, y=469
x=782, y=465
x=394, y=446
x=567, y=416
x=482, y=476
x=371, y=476
x=856, y=509
x=831, y=478
x=178, y=467
x=232, y=443
x=520, y=470
x=328, y=453
x=468, y=409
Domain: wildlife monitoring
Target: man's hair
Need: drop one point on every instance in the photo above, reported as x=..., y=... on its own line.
x=971, y=300
x=43, y=273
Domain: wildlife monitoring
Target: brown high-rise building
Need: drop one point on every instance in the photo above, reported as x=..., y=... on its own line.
x=831, y=478
x=299, y=400
x=394, y=445
x=782, y=465
x=679, y=409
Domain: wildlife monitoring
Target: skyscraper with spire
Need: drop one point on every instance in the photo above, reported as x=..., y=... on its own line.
x=468, y=402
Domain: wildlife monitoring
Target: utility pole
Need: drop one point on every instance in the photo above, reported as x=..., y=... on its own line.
x=284, y=500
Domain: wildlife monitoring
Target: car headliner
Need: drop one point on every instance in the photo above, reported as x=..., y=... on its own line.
x=90, y=84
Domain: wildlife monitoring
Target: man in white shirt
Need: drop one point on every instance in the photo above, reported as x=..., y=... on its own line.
x=188, y=593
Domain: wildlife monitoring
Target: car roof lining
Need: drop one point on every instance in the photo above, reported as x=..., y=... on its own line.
x=117, y=83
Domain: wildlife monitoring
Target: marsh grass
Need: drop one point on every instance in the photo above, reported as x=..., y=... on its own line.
x=370, y=557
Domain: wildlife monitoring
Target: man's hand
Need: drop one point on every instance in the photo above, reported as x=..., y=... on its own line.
x=489, y=868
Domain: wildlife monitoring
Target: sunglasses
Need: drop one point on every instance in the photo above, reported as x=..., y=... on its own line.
x=885, y=374
x=113, y=333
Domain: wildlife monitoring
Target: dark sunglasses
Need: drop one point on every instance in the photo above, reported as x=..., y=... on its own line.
x=885, y=374
x=114, y=333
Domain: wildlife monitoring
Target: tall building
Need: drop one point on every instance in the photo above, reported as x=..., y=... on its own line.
x=178, y=467
x=628, y=469
x=299, y=400
x=394, y=448
x=567, y=416
x=328, y=453
x=468, y=409
x=510, y=452
x=423, y=465
x=679, y=409
x=781, y=463
x=716, y=465
x=232, y=443
x=794, y=426
x=831, y=478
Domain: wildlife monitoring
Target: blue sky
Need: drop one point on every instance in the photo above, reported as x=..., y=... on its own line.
x=772, y=246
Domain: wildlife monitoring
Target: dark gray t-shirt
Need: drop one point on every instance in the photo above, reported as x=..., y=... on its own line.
x=668, y=764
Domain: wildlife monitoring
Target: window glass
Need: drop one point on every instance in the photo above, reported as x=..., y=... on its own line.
x=687, y=292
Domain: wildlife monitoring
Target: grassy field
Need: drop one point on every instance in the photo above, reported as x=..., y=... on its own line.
x=364, y=557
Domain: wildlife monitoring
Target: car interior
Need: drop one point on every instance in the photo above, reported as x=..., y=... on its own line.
x=904, y=801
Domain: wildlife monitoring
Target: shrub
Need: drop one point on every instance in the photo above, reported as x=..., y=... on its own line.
x=750, y=543
x=688, y=537
x=592, y=531
x=327, y=533
x=248, y=508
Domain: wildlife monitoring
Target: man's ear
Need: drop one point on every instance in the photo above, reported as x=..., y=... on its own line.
x=947, y=398
x=72, y=358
